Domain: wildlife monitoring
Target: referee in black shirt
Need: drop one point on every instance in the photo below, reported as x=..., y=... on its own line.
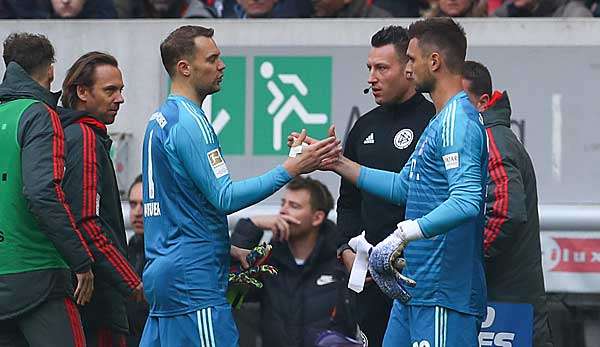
x=384, y=138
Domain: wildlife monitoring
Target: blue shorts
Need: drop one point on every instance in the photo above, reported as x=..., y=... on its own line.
x=208, y=327
x=430, y=326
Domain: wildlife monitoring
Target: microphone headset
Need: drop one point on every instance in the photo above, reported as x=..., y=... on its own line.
x=366, y=90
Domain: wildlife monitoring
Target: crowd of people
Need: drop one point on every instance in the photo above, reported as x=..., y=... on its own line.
x=440, y=194
x=112, y=9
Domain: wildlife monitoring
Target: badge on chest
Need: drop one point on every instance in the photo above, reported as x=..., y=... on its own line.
x=403, y=138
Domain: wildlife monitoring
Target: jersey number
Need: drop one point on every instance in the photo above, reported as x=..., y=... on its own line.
x=150, y=173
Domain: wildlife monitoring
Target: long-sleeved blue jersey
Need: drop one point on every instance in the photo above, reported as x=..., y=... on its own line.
x=443, y=187
x=187, y=195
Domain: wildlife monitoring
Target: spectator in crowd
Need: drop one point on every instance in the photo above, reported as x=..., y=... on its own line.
x=81, y=9
x=137, y=312
x=180, y=9
x=543, y=8
x=92, y=97
x=347, y=9
x=405, y=8
x=61, y=9
x=23, y=9
x=293, y=9
x=457, y=8
x=255, y=8
x=594, y=7
x=513, y=262
x=298, y=302
x=39, y=243
x=281, y=9
x=383, y=138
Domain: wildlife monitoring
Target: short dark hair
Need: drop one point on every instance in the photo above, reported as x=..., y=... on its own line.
x=82, y=73
x=444, y=35
x=479, y=76
x=137, y=180
x=32, y=52
x=180, y=44
x=395, y=35
x=320, y=197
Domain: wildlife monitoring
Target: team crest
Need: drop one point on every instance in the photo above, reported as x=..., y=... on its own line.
x=403, y=138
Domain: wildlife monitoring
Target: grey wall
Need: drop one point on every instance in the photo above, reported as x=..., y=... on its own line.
x=551, y=69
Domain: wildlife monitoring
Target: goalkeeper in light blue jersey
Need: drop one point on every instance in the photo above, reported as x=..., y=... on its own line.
x=188, y=192
x=443, y=187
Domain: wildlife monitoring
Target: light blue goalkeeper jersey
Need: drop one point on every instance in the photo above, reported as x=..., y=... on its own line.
x=187, y=195
x=443, y=186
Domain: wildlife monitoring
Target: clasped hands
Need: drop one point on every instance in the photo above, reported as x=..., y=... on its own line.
x=328, y=150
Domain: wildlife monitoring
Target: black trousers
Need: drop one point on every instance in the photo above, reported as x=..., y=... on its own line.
x=373, y=311
x=54, y=323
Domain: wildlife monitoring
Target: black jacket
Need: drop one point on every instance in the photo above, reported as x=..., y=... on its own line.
x=513, y=258
x=91, y=189
x=41, y=137
x=301, y=300
x=389, y=148
x=137, y=312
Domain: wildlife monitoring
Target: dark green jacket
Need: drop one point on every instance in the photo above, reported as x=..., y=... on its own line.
x=41, y=139
x=513, y=258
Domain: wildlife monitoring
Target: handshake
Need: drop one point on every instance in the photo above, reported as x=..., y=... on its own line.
x=308, y=154
x=385, y=263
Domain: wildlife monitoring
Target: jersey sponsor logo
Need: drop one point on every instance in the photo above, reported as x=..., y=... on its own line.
x=151, y=209
x=217, y=164
x=325, y=279
x=403, y=138
x=160, y=119
x=451, y=161
x=369, y=139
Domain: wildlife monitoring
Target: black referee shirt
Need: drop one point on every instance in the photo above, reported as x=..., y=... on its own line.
x=384, y=138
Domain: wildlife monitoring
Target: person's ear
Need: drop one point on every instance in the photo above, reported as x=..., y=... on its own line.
x=51, y=73
x=483, y=102
x=435, y=61
x=318, y=218
x=82, y=92
x=184, y=68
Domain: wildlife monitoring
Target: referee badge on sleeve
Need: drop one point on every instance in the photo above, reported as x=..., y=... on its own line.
x=217, y=164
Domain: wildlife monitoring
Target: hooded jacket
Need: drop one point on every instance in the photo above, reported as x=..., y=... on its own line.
x=301, y=300
x=42, y=154
x=91, y=189
x=513, y=258
x=545, y=8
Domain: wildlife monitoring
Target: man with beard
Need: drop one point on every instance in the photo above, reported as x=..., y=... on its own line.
x=40, y=245
x=383, y=138
x=188, y=193
x=443, y=186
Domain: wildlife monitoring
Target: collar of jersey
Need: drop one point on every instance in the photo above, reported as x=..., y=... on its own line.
x=455, y=97
x=188, y=102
